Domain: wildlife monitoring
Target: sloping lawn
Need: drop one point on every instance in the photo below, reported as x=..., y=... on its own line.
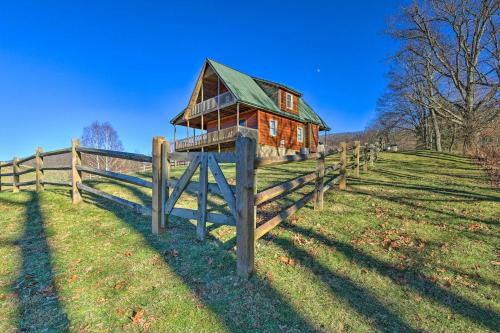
x=412, y=245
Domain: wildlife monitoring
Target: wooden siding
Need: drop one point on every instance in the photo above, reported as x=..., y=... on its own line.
x=229, y=121
x=282, y=99
x=286, y=130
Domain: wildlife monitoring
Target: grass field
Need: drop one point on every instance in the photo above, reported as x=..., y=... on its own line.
x=411, y=246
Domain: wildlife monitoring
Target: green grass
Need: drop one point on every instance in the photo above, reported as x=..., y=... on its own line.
x=412, y=245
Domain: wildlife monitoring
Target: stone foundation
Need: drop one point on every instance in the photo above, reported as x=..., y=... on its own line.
x=268, y=151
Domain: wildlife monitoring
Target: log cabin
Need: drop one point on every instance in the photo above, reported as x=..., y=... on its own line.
x=226, y=103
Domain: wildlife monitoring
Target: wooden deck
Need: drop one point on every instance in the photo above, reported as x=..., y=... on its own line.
x=214, y=138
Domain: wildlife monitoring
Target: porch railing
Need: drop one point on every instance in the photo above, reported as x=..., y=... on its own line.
x=215, y=137
x=210, y=104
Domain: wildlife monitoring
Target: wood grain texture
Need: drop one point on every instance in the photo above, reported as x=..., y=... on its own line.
x=39, y=169
x=201, y=224
x=343, y=166
x=115, y=175
x=76, y=176
x=284, y=188
x=15, y=174
x=156, y=195
x=245, y=206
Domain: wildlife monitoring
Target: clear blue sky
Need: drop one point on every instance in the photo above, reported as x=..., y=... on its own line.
x=64, y=64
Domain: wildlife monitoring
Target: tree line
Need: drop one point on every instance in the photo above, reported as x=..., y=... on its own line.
x=444, y=80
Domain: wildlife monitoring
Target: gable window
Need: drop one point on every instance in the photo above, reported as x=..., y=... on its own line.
x=289, y=101
x=300, y=134
x=273, y=124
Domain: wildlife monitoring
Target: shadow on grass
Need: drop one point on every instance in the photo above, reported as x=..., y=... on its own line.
x=413, y=279
x=39, y=306
x=409, y=202
x=438, y=190
x=358, y=298
x=209, y=272
x=200, y=277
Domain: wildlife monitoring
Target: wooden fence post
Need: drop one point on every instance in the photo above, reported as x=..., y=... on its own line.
x=365, y=158
x=356, y=156
x=202, y=199
x=343, y=166
x=165, y=174
x=320, y=181
x=245, y=205
x=39, y=169
x=0, y=176
x=372, y=155
x=76, y=176
x=156, y=198
x=15, y=176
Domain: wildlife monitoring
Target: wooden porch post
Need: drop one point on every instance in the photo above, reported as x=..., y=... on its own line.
x=238, y=116
x=202, y=134
x=245, y=203
x=188, y=134
x=175, y=134
x=218, y=113
x=202, y=111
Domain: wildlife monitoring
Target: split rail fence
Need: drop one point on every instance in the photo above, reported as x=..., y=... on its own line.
x=242, y=199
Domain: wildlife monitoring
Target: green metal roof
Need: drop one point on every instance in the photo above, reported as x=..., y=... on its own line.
x=246, y=90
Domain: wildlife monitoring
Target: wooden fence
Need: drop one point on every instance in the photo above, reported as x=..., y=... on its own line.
x=242, y=199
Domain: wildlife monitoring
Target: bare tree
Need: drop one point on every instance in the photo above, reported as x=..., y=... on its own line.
x=450, y=53
x=101, y=136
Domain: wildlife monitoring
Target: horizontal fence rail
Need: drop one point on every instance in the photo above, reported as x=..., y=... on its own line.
x=137, y=207
x=117, y=176
x=115, y=154
x=240, y=200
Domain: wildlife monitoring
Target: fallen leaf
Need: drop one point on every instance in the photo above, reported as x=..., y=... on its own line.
x=72, y=278
x=137, y=316
x=286, y=260
x=127, y=253
x=120, y=285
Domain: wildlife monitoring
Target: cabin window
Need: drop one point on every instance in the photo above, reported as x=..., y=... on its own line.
x=243, y=122
x=272, y=127
x=289, y=101
x=300, y=134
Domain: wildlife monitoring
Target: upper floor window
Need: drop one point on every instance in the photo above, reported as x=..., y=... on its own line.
x=289, y=101
x=300, y=134
x=273, y=124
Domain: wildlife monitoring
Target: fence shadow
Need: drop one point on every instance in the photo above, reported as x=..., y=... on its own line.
x=413, y=279
x=36, y=286
x=409, y=202
x=207, y=281
x=358, y=298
